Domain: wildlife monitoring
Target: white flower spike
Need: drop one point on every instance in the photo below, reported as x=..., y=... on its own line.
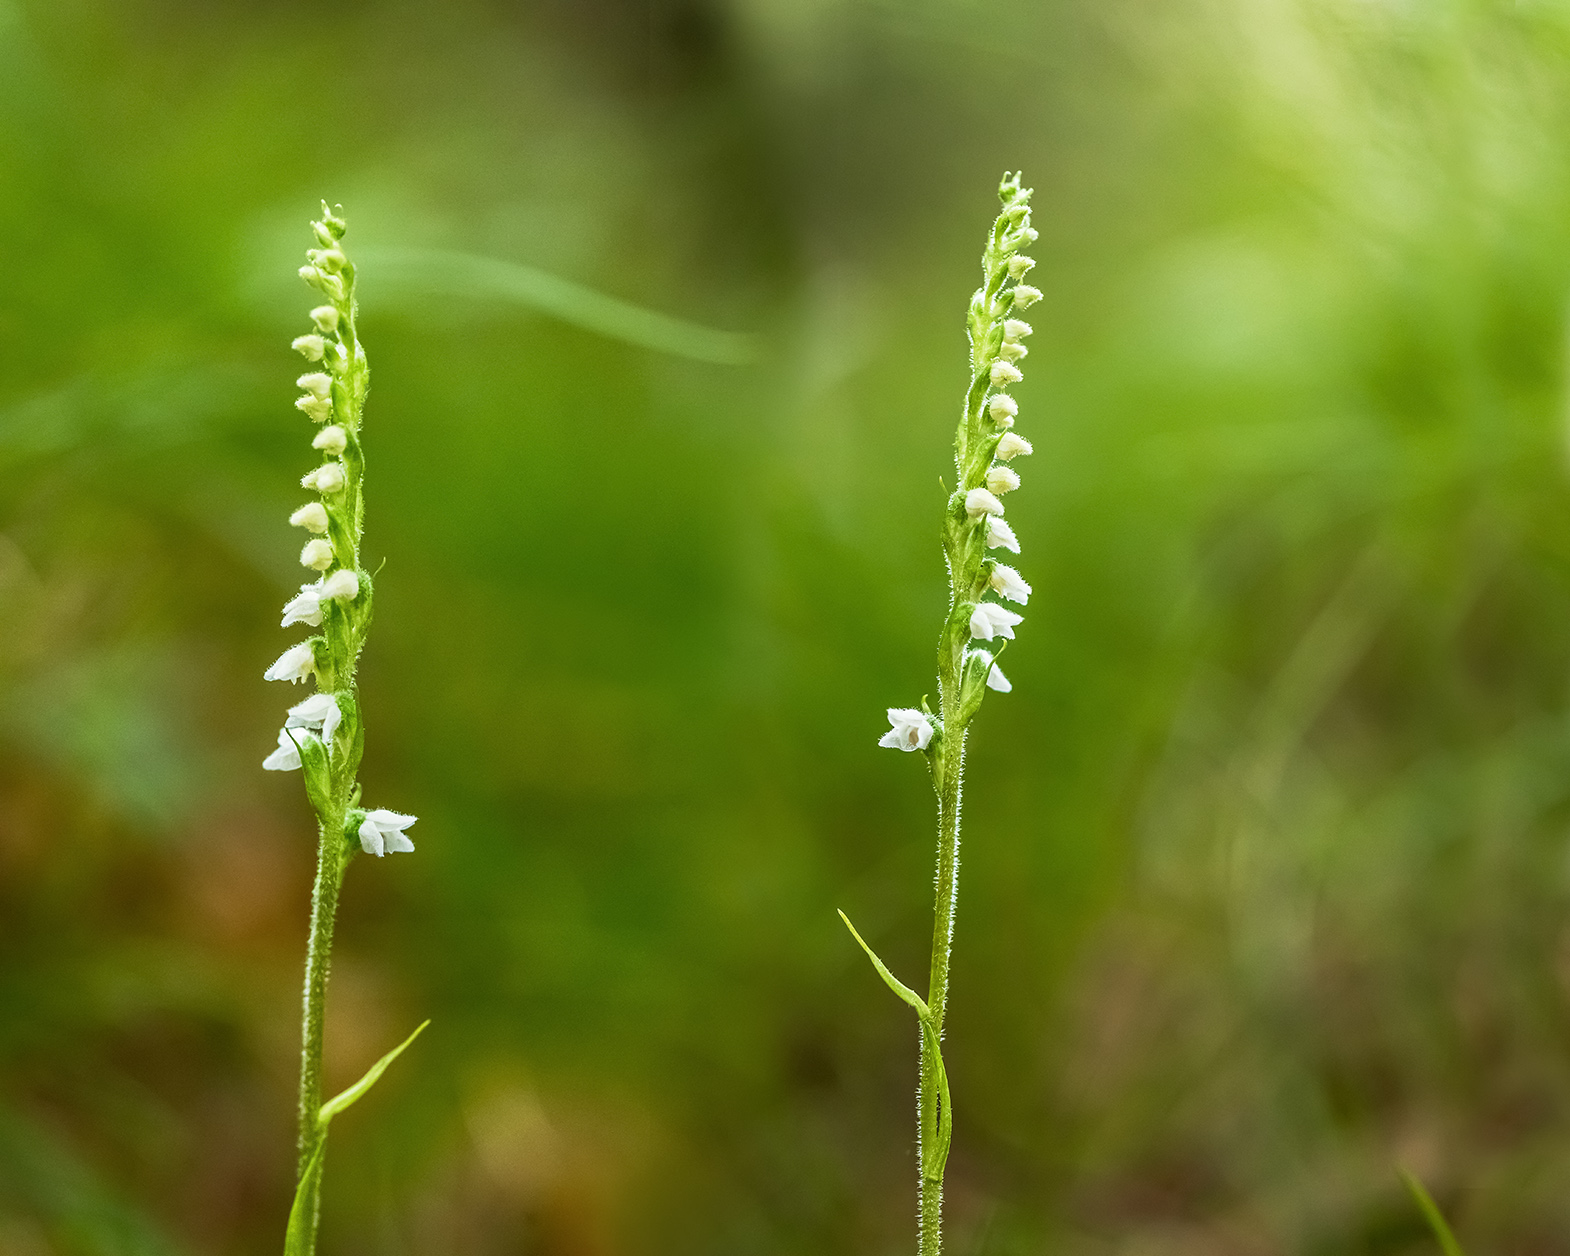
x=305, y=607
x=990, y=620
x=294, y=664
x=909, y=729
x=382, y=832
x=1009, y=583
x=319, y=712
x=1014, y=446
x=980, y=502
x=1000, y=535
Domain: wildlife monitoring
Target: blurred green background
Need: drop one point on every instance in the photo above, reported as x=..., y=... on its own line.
x=1267, y=876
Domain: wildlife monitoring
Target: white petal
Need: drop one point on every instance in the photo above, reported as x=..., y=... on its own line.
x=1002, y=479
x=398, y=843
x=370, y=838
x=385, y=819
x=1009, y=583
x=980, y=502
x=891, y=739
x=343, y=584
x=997, y=680
x=305, y=607
x=1000, y=534
x=294, y=664
x=284, y=759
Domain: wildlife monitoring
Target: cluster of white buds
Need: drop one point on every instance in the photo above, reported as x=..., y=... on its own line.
x=986, y=443
x=323, y=735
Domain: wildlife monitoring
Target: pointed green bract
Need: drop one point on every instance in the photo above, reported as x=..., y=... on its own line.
x=356, y=1092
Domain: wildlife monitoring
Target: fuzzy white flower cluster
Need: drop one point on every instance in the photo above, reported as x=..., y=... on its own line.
x=333, y=601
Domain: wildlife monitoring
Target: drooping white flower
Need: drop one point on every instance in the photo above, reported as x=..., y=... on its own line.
x=382, y=831
x=1025, y=296
x=305, y=607
x=1000, y=534
x=1002, y=408
x=294, y=664
x=995, y=677
x=312, y=517
x=312, y=346
x=1014, y=446
x=317, y=409
x=327, y=478
x=990, y=620
x=317, y=555
x=319, y=712
x=343, y=584
x=317, y=384
x=910, y=729
x=325, y=317
x=1013, y=351
x=331, y=438
x=287, y=757
x=980, y=502
x=1019, y=264
x=1009, y=583
x=1016, y=329
x=1004, y=373
x=1002, y=479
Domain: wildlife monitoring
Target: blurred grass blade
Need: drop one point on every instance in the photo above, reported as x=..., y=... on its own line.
x=297, y=1238
x=351, y=1096
x=1430, y=1210
x=893, y=982
x=440, y=272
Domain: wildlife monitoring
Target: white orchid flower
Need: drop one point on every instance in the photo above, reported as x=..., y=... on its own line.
x=1009, y=583
x=382, y=832
x=294, y=664
x=980, y=502
x=305, y=607
x=910, y=729
x=1000, y=534
x=320, y=712
x=287, y=757
x=990, y=620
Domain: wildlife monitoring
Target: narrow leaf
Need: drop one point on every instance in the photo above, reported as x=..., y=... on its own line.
x=440, y=272
x=297, y=1238
x=893, y=982
x=336, y=1105
x=1430, y=1211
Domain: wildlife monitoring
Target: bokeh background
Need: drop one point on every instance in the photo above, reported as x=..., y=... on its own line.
x=1267, y=875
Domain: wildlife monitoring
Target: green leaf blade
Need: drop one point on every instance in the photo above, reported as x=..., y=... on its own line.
x=893, y=982
x=357, y=1091
x=1430, y=1210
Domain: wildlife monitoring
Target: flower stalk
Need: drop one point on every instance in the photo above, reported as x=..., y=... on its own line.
x=324, y=737
x=972, y=524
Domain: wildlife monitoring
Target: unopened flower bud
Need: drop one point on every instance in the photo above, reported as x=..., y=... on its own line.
x=312, y=517
x=1002, y=479
x=1002, y=408
x=330, y=261
x=312, y=346
x=345, y=585
x=317, y=555
x=1016, y=329
x=319, y=410
x=1009, y=583
x=324, y=237
x=326, y=318
x=333, y=222
x=318, y=385
x=1005, y=373
x=1025, y=296
x=1019, y=264
x=327, y=478
x=980, y=502
x=1000, y=535
x=1013, y=446
x=333, y=439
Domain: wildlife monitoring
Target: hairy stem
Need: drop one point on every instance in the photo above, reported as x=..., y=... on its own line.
x=324, y=910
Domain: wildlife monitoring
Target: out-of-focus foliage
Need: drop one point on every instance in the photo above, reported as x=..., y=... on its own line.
x=1267, y=885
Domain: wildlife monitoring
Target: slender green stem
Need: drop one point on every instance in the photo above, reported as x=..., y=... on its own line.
x=324, y=910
